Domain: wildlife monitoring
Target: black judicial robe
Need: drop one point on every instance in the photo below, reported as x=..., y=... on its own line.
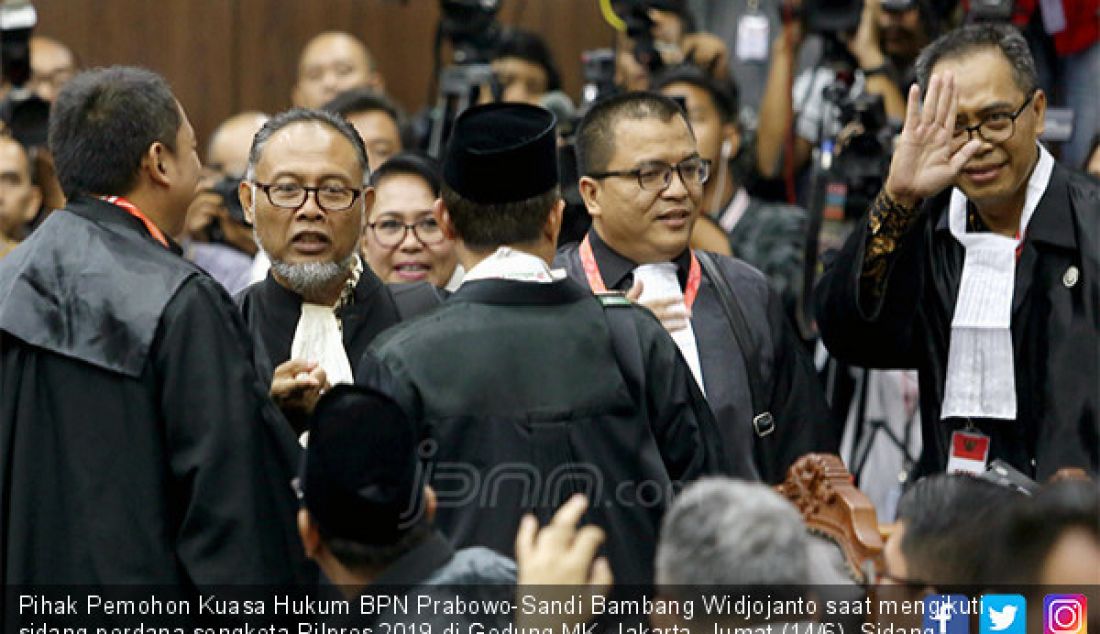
x=271, y=312
x=137, y=444
x=1055, y=327
x=521, y=401
x=793, y=394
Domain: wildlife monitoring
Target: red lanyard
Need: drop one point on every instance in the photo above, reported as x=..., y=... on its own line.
x=132, y=209
x=595, y=280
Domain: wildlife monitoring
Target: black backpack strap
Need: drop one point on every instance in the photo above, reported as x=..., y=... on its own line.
x=415, y=299
x=624, y=339
x=762, y=420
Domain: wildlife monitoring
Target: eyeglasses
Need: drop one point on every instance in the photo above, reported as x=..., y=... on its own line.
x=995, y=128
x=391, y=232
x=656, y=177
x=293, y=196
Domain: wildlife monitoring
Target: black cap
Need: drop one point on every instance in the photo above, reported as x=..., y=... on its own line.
x=359, y=476
x=502, y=153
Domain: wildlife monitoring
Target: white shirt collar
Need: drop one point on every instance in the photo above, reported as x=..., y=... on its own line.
x=509, y=264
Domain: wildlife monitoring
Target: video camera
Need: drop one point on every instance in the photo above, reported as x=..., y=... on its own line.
x=474, y=33
x=471, y=27
x=831, y=16
x=226, y=189
x=24, y=113
x=864, y=156
x=639, y=27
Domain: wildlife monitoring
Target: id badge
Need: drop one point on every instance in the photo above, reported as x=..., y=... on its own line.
x=752, y=38
x=969, y=453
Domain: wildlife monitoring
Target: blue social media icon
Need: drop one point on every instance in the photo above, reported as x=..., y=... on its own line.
x=946, y=614
x=1003, y=614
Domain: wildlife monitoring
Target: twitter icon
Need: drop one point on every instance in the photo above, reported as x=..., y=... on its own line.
x=1003, y=614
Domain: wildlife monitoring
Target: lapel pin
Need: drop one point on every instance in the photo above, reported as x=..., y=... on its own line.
x=1069, y=280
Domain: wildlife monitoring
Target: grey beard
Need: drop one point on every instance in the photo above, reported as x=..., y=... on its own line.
x=310, y=278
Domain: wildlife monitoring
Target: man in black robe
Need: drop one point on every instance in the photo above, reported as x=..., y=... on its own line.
x=137, y=444
x=525, y=387
x=977, y=265
x=313, y=316
x=642, y=182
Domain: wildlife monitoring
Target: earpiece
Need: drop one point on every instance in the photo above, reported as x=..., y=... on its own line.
x=727, y=148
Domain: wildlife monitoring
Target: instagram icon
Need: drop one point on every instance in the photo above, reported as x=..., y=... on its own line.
x=1065, y=614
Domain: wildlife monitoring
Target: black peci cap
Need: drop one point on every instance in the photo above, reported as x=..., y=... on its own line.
x=359, y=476
x=502, y=153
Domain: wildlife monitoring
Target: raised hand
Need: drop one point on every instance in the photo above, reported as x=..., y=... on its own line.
x=561, y=554
x=557, y=563
x=925, y=160
x=864, y=43
x=671, y=312
x=297, y=385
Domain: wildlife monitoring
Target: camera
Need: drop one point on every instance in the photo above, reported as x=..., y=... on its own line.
x=471, y=27
x=639, y=27
x=865, y=156
x=226, y=189
x=26, y=115
x=832, y=16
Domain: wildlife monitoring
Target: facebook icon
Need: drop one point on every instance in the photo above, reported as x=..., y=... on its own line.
x=946, y=614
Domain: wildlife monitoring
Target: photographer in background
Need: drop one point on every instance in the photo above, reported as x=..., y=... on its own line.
x=767, y=235
x=1064, y=37
x=804, y=102
x=658, y=33
x=35, y=70
x=52, y=65
x=524, y=67
x=20, y=198
x=377, y=119
x=905, y=27
x=217, y=237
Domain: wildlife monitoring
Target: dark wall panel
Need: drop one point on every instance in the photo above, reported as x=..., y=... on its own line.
x=224, y=56
x=188, y=41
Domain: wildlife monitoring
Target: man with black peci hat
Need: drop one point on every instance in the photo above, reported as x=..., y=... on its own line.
x=528, y=386
x=367, y=512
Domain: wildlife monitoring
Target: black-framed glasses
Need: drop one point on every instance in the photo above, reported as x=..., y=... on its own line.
x=293, y=196
x=390, y=232
x=995, y=128
x=656, y=177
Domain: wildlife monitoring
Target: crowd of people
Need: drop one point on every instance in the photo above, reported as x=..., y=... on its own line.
x=323, y=357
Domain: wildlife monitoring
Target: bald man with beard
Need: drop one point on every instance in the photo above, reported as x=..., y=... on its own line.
x=331, y=63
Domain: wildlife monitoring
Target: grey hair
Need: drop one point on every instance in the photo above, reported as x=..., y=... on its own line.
x=975, y=37
x=300, y=115
x=305, y=278
x=723, y=532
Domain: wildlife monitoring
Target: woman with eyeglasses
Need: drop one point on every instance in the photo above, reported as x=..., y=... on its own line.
x=402, y=241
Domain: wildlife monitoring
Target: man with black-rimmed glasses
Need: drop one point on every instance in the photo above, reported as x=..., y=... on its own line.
x=306, y=194
x=977, y=265
x=642, y=181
